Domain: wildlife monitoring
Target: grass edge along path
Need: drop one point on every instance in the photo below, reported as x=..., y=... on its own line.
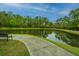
x=73, y=50
x=48, y=48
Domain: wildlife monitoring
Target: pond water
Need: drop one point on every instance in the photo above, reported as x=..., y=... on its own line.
x=57, y=36
x=65, y=38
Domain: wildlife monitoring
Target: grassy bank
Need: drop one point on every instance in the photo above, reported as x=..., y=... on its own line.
x=6, y=28
x=13, y=48
x=65, y=30
x=69, y=31
x=69, y=48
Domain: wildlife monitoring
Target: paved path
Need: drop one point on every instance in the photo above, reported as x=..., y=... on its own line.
x=39, y=47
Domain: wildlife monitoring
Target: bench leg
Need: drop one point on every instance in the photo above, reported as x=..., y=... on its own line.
x=7, y=38
x=11, y=37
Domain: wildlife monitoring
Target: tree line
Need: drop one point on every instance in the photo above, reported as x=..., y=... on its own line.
x=8, y=19
x=69, y=22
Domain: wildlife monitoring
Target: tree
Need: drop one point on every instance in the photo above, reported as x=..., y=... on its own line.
x=74, y=14
x=63, y=22
x=8, y=19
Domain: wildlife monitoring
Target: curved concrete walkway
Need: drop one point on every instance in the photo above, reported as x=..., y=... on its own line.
x=40, y=47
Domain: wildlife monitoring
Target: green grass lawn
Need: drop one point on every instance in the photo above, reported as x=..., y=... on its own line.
x=8, y=28
x=13, y=48
x=69, y=48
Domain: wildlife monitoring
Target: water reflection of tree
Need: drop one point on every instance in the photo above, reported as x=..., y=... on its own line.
x=37, y=32
x=70, y=39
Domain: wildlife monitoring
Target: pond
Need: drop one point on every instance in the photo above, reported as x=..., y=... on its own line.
x=65, y=38
x=57, y=36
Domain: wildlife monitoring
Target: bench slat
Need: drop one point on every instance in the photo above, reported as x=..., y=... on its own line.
x=5, y=36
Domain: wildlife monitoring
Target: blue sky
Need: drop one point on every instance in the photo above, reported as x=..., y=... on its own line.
x=50, y=10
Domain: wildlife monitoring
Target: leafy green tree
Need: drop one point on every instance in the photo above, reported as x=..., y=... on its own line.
x=74, y=14
x=8, y=19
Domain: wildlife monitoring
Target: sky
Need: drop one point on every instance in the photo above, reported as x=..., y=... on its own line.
x=52, y=11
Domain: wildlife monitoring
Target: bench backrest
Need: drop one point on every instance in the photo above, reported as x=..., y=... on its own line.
x=3, y=34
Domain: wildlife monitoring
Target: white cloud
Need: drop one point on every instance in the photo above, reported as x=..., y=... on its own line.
x=28, y=6
x=13, y=4
x=64, y=12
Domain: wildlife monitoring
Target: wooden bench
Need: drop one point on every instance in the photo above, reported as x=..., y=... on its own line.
x=5, y=35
